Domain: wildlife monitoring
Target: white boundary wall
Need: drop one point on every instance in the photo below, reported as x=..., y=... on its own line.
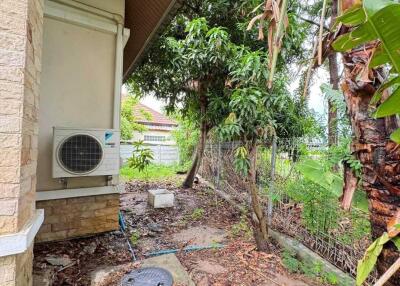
x=163, y=154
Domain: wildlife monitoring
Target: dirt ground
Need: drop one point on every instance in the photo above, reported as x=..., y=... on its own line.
x=199, y=218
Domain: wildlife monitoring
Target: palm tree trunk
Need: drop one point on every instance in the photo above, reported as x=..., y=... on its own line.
x=259, y=220
x=379, y=155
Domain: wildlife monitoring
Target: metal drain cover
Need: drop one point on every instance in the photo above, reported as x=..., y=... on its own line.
x=148, y=276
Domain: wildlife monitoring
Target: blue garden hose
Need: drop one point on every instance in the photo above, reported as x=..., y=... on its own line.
x=122, y=226
x=186, y=249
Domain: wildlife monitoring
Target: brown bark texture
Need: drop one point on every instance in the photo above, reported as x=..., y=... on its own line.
x=259, y=221
x=349, y=188
x=188, y=182
x=334, y=80
x=379, y=155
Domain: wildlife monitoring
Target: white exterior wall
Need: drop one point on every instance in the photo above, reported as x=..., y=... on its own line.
x=162, y=154
x=77, y=88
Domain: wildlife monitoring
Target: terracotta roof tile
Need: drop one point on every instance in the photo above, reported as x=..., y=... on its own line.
x=140, y=110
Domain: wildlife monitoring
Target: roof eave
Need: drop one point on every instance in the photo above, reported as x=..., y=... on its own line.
x=162, y=23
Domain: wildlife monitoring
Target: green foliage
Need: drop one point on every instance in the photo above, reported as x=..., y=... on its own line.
x=241, y=161
x=321, y=211
x=290, y=261
x=376, y=20
x=128, y=124
x=141, y=157
x=330, y=278
x=214, y=48
x=396, y=136
x=312, y=270
x=186, y=137
x=197, y=214
x=252, y=108
x=242, y=228
x=367, y=264
x=341, y=153
x=336, y=98
x=320, y=175
x=195, y=65
x=360, y=200
x=135, y=236
x=153, y=172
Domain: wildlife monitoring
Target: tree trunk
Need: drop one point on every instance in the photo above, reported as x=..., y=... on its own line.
x=349, y=188
x=332, y=112
x=379, y=155
x=188, y=183
x=259, y=220
x=334, y=80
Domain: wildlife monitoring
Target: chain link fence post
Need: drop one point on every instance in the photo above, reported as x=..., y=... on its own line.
x=218, y=165
x=272, y=182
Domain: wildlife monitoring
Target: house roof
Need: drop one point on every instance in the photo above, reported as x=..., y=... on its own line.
x=146, y=20
x=140, y=112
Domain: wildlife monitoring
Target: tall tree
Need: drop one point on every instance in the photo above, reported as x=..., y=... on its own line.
x=165, y=70
x=200, y=61
x=334, y=80
x=252, y=120
x=371, y=39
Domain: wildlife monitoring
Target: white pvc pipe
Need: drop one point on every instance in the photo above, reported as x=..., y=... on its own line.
x=118, y=76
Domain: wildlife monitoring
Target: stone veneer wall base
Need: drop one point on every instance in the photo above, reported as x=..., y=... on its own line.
x=78, y=217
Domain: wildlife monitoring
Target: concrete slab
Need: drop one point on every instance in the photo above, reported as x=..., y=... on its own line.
x=283, y=280
x=101, y=273
x=209, y=267
x=200, y=236
x=171, y=263
x=306, y=255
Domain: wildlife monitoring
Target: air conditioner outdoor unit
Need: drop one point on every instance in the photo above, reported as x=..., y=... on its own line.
x=85, y=152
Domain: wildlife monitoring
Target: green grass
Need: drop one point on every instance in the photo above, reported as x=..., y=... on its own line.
x=197, y=214
x=152, y=173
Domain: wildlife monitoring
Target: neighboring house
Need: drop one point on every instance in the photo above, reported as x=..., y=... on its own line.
x=158, y=126
x=62, y=64
x=157, y=136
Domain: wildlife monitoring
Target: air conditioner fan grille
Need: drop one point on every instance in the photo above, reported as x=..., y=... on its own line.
x=80, y=153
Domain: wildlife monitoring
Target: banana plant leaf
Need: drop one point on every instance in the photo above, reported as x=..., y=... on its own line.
x=318, y=174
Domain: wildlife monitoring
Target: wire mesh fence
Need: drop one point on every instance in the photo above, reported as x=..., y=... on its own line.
x=295, y=205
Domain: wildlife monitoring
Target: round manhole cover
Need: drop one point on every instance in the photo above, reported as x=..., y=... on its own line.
x=148, y=276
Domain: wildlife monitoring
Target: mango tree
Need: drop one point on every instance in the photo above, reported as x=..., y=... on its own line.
x=251, y=121
x=200, y=59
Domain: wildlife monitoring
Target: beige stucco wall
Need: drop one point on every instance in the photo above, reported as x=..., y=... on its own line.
x=77, y=87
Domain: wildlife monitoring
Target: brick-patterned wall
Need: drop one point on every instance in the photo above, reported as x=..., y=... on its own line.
x=21, y=32
x=17, y=269
x=75, y=217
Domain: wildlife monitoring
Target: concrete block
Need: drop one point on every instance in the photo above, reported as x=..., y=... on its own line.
x=161, y=198
x=308, y=256
x=171, y=263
